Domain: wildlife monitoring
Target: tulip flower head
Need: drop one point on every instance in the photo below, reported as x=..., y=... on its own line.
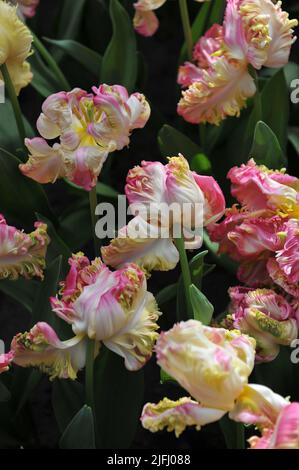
x=257, y=187
x=22, y=254
x=151, y=188
x=113, y=308
x=255, y=32
x=89, y=127
x=15, y=46
x=262, y=235
x=212, y=364
x=266, y=316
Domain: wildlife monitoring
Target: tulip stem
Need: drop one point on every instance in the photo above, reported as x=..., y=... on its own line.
x=187, y=27
x=14, y=102
x=93, y=202
x=51, y=63
x=240, y=436
x=89, y=373
x=179, y=242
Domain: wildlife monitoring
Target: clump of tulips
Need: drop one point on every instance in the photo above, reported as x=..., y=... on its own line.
x=95, y=314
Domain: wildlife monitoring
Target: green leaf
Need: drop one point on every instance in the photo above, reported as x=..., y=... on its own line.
x=42, y=310
x=198, y=28
x=33, y=380
x=87, y=57
x=217, y=12
x=75, y=228
x=166, y=294
x=67, y=400
x=80, y=433
x=202, y=309
x=16, y=187
x=120, y=61
x=172, y=142
x=119, y=401
x=4, y=393
x=21, y=290
x=44, y=82
x=70, y=21
x=291, y=72
x=275, y=103
x=201, y=164
x=294, y=138
x=8, y=130
x=197, y=268
x=266, y=149
x=164, y=377
x=107, y=191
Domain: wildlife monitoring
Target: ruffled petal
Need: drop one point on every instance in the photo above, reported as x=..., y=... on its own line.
x=177, y=415
x=15, y=46
x=222, y=91
x=42, y=348
x=258, y=405
x=45, y=163
x=150, y=253
x=22, y=254
x=136, y=340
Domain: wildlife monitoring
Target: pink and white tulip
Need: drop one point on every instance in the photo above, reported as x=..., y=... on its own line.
x=212, y=364
x=258, y=31
x=89, y=127
x=22, y=254
x=254, y=32
x=152, y=187
x=113, y=308
x=216, y=92
x=257, y=188
x=266, y=316
x=263, y=234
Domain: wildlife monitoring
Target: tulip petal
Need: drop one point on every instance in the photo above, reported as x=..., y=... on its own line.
x=22, y=254
x=42, y=348
x=177, y=415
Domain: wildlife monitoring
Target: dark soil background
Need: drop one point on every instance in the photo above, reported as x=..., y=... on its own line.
x=161, y=56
